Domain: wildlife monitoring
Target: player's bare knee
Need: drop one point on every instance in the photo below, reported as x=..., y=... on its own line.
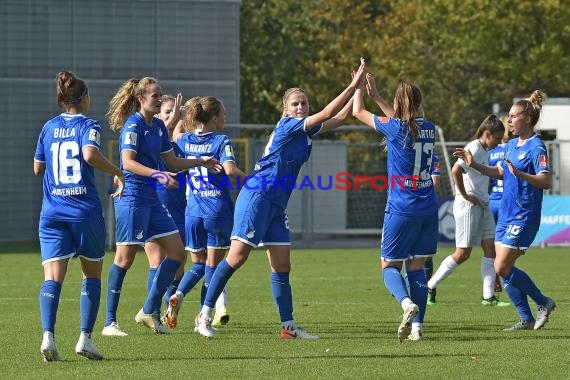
x=460, y=256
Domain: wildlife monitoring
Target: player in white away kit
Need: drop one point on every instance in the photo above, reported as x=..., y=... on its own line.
x=474, y=223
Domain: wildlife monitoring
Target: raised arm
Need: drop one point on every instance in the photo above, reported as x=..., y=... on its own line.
x=373, y=93
x=178, y=130
x=174, y=117
x=338, y=119
x=358, y=110
x=336, y=105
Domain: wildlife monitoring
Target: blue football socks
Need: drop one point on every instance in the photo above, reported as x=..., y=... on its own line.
x=49, y=302
x=114, y=287
x=89, y=303
x=395, y=283
x=219, y=280
x=282, y=295
x=163, y=278
x=418, y=292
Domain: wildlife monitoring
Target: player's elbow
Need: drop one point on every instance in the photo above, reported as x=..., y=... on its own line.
x=545, y=181
x=39, y=168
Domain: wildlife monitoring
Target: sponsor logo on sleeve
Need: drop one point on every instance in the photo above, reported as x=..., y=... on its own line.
x=383, y=119
x=131, y=138
x=95, y=136
x=543, y=161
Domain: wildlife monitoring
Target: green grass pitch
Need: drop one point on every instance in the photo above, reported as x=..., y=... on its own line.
x=338, y=294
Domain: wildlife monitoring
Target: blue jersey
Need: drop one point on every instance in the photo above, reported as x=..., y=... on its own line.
x=208, y=191
x=288, y=148
x=69, y=182
x=496, y=155
x=522, y=202
x=410, y=188
x=174, y=199
x=148, y=142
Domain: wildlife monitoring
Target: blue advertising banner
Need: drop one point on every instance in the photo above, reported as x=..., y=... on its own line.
x=554, y=224
x=554, y=221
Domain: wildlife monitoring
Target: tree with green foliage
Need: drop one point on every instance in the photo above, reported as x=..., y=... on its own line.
x=465, y=55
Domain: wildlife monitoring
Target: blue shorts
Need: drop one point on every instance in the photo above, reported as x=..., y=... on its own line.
x=136, y=223
x=406, y=237
x=257, y=221
x=515, y=236
x=202, y=233
x=181, y=231
x=495, y=206
x=61, y=240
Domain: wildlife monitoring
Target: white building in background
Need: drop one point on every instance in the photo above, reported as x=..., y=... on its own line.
x=555, y=122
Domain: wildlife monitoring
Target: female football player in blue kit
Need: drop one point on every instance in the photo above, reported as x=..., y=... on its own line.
x=260, y=207
x=525, y=174
x=209, y=210
x=496, y=156
x=173, y=199
x=139, y=215
x=410, y=224
x=71, y=220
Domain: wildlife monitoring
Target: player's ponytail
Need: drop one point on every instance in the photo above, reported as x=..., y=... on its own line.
x=125, y=102
x=192, y=108
x=408, y=105
x=70, y=89
x=202, y=110
x=532, y=106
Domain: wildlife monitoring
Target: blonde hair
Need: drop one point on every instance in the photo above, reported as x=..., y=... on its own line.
x=532, y=105
x=288, y=93
x=125, y=102
x=188, y=122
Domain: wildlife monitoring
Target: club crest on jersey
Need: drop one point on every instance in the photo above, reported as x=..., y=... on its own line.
x=383, y=119
x=543, y=161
